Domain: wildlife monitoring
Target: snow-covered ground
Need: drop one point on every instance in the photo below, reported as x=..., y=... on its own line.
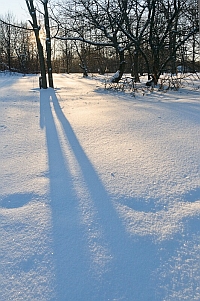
x=99, y=192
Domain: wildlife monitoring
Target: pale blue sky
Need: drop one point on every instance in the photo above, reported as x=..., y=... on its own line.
x=16, y=7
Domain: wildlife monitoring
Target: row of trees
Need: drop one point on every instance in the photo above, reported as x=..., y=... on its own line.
x=158, y=32
x=150, y=36
x=17, y=47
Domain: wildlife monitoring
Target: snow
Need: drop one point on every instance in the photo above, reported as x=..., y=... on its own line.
x=99, y=192
x=115, y=76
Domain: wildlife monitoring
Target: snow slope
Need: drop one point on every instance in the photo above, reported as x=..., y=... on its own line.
x=99, y=192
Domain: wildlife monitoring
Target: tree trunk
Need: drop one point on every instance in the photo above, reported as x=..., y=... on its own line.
x=83, y=65
x=136, y=65
x=122, y=63
x=41, y=59
x=36, y=29
x=48, y=44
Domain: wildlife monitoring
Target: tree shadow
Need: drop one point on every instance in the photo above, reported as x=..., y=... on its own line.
x=126, y=264
x=132, y=267
x=68, y=239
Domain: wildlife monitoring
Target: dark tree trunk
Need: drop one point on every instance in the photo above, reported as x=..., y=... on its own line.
x=48, y=44
x=136, y=65
x=36, y=29
x=83, y=65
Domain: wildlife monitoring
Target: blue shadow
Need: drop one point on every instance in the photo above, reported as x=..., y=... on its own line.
x=133, y=259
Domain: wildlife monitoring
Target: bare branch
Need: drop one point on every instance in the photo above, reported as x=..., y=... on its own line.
x=16, y=26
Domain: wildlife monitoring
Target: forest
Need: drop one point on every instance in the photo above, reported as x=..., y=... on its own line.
x=102, y=36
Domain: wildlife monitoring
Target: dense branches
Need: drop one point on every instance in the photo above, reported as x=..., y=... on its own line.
x=150, y=36
x=153, y=31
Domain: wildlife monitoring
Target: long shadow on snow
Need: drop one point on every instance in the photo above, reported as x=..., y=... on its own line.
x=68, y=242
x=128, y=276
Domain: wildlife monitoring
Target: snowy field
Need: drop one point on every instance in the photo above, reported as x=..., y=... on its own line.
x=99, y=192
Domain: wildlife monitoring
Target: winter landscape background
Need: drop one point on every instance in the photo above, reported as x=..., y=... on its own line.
x=99, y=192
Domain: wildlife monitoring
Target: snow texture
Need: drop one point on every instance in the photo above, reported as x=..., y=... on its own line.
x=115, y=76
x=99, y=192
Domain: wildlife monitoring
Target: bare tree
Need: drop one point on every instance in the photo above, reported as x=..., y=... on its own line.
x=154, y=30
x=7, y=36
x=95, y=23
x=48, y=42
x=22, y=49
x=36, y=29
x=170, y=30
x=157, y=34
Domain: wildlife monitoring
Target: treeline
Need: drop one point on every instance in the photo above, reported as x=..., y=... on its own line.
x=135, y=36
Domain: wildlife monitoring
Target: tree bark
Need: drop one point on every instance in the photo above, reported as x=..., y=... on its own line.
x=136, y=65
x=36, y=30
x=48, y=43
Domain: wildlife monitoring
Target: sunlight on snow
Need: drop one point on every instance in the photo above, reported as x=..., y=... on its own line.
x=161, y=224
x=99, y=250
x=100, y=194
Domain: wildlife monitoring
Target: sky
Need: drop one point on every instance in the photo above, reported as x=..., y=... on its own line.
x=16, y=7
